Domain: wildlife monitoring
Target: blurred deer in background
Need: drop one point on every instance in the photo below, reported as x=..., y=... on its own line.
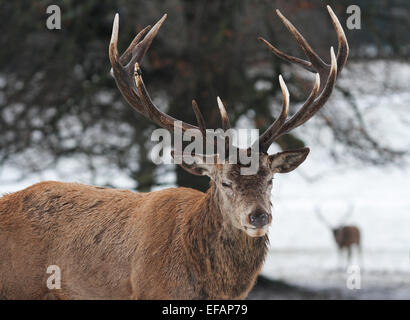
x=345, y=236
x=175, y=243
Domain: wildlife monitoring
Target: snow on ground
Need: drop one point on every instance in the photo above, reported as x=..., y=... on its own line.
x=302, y=248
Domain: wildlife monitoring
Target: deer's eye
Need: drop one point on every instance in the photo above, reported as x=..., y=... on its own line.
x=270, y=182
x=227, y=185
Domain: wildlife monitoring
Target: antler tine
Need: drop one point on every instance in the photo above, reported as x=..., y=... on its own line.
x=201, y=123
x=113, y=51
x=303, y=63
x=225, y=125
x=128, y=52
x=324, y=71
x=224, y=115
x=347, y=214
x=199, y=118
x=142, y=47
x=297, y=118
x=266, y=138
x=343, y=46
x=126, y=86
x=321, y=217
x=314, y=59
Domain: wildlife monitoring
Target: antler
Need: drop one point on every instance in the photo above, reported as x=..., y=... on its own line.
x=325, y=80
x=128, y=76
x=321, y=217
x=347, y=214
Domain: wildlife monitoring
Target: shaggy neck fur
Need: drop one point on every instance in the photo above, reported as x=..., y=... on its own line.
x=225, y=260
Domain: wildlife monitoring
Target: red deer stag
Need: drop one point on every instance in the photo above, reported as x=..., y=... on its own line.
x=176, y=243
x=345, y=236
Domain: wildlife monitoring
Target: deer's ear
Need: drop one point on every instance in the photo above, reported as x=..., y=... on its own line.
x=198, y=165
x=287, y=161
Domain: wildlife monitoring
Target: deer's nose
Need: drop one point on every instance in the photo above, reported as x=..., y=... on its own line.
x=259, y=219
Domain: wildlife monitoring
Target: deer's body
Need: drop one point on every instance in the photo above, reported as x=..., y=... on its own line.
x=117, y=244
x=346, y=236
x=171, y=244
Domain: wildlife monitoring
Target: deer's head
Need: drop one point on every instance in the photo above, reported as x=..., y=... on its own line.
x=244, y=200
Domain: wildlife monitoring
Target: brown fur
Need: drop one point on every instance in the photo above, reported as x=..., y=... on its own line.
x=116, y=244
x=346, y=236
x=171, y=244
